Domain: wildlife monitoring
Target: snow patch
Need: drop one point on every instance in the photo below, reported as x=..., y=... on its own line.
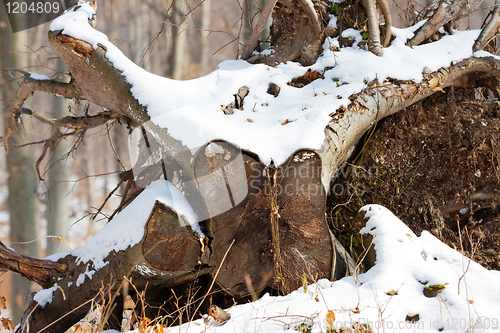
x=36, y=76
x=81, y=278
x=44, y=296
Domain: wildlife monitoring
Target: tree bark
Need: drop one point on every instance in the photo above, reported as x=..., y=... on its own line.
x=178, y=59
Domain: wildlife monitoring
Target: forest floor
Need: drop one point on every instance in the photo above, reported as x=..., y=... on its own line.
x=436, y=166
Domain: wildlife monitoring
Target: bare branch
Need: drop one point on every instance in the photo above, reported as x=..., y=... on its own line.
x=489, y=30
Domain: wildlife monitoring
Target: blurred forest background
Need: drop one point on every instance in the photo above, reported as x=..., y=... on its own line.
x=180, y=39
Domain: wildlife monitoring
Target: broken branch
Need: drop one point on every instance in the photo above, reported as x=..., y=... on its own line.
x=43, y=272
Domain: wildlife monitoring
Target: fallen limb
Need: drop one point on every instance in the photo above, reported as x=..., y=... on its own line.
x=43, y=272
x=73, y=282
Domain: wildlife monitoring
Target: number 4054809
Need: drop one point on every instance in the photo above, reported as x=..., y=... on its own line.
x=32, y=8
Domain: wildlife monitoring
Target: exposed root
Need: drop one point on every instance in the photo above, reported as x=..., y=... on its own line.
x=27, y=87
x=386, y=11
x=308, y=7
x=382, y=100
x=489, y=30
x=374, y=44
x=67, y=90
x=291, y=44
x=76, y=123
x=446, y=12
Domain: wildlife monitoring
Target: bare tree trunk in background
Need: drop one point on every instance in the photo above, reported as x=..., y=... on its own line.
x=178, y=58
x=22, y=178
x=266, y=32
x=87, y=166
x=118, y=133
x=57, y=205
x=137, y=32
x=205, y=47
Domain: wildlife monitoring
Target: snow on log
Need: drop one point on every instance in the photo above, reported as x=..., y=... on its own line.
x=273, y=127
x=148, y=242
x=271, y=230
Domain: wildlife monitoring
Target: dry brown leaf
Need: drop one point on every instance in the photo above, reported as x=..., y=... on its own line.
x=143, y=324
x=286, y=122
x=219, y=315
x=310, y=76
x=250, y=120
x=8, y=324
x=433, y=83
x=330, y=318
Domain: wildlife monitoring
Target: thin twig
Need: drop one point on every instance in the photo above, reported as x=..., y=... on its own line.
x=215, y=277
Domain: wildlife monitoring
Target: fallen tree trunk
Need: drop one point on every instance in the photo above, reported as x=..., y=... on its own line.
x=71, y=295
x=241, y=245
